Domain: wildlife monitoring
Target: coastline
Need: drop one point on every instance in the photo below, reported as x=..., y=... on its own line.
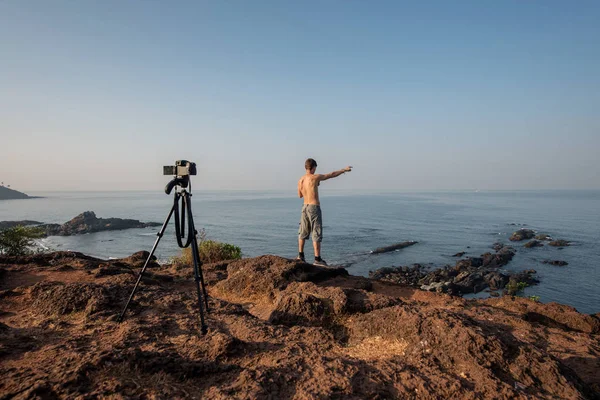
x=275, y=327
x=443, y=224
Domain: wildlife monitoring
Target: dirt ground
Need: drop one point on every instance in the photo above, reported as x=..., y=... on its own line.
x=278, y=329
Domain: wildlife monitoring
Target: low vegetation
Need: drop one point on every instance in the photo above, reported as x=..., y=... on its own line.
x=515, y=288
x=210, y=251
x=18, y=240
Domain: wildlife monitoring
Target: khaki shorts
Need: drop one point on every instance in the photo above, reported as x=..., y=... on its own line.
x=311, y=222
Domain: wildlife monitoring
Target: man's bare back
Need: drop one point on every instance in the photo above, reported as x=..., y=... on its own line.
x=308, y=185
x=308, y=188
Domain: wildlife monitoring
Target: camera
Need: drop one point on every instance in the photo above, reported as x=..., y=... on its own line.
x=182, y=171
x=181, y=168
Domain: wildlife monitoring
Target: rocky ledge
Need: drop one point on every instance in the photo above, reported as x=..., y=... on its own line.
x=277, y=329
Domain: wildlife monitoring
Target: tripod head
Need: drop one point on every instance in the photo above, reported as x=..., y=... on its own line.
x=182, y=181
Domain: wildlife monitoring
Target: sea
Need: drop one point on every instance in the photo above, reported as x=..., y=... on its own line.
x=355, y=223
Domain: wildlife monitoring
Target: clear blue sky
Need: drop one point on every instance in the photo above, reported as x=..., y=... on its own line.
x=428, y=95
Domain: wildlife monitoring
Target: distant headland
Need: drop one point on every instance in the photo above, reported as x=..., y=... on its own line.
x=7, y=193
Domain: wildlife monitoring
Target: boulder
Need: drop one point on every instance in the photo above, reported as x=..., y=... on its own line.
x=502, y=257
x=522, y=234
x=543, y=236
x=533, y=243
x=393, y=247
x=527, y=276
x=469, y=282
x=496, y=280
x=559, y=243
x=470, y=262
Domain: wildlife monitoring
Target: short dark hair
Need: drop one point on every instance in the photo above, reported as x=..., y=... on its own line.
x=310, y=164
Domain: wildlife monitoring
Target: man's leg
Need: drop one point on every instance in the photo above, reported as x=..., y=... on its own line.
x=303, y=233
x=317, y=234
x=317, y=246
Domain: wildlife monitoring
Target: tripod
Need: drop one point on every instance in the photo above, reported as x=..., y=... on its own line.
x=186, y=206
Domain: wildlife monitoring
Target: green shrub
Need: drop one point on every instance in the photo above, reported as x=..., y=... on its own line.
x=514, y=288
x=210, y=251
x=18, y=240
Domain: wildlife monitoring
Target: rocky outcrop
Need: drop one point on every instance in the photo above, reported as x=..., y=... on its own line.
x=469, y=275
x=521, y=234
x=87, y=222
x=559, y=243
x=277, y=329
x=543, y=236
x=393, y=247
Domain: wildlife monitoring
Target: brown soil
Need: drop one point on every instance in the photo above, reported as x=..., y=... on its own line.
x=277, y=329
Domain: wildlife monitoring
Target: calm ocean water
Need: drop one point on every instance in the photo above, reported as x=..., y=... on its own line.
x=442, y=223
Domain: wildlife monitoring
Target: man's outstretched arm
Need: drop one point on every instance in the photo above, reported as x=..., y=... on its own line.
x=334, y=174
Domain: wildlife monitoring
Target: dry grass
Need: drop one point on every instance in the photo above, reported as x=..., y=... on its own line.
x=376, y=347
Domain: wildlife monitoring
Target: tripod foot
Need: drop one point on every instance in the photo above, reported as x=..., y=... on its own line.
x=204, y=329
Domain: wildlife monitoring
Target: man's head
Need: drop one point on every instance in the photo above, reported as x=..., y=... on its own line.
x=310, y=165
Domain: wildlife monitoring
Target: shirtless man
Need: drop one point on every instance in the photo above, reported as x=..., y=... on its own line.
x=311, y=220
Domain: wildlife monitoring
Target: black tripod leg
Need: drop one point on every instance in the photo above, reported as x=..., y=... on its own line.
x=199, y=272
x=203, y=285
x=192, y=226
x=197, y=279
x=159, y=236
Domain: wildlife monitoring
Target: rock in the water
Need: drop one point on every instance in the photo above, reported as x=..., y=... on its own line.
x=527, y=276
x=533, y=243
x=497, y=246
x=559, y=263
x=393, y=247
x=87, y=222
x=559, y=243
x=469, y=275
x=502, y=257
x=542, y=236
x=459, y=254
x=381, y=272
x=521, y=234
x=467, y=282
x=469, y=262
x=496, y=280
x=403, y=275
